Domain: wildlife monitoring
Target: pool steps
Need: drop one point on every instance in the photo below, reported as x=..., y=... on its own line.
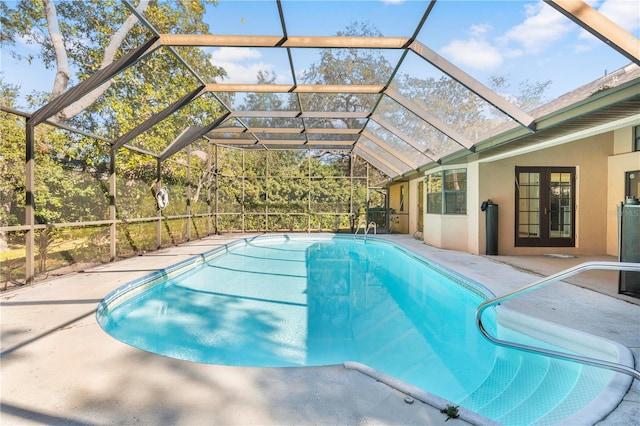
x=569, y=272
x=569, y=403
x=499, y=386
x=517, y=392
x=550, y=383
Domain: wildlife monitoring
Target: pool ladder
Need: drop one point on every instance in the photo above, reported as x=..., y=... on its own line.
x=586, y=266
x=363, y=224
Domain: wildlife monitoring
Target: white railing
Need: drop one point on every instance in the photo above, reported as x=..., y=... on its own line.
x=363, y=224
x=371, y=225
x=613, y=266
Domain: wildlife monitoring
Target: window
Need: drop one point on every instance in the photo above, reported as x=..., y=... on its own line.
x=545, y=206
x=434, y=193
x=447, y=192
x=420, y=206
x=455, y=191
x=636, y=138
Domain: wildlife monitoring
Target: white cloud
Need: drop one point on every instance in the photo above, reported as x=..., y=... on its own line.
x=474, y=53
x=241, y=64
x=512, y=53
x=234, y=54
x=541, y=28
x=479, y=30
x=625, y=13
x=237, y=73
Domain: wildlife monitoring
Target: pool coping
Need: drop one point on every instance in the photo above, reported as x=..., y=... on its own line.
x=417, y=393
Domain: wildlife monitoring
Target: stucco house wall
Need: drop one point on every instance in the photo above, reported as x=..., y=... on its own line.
x=621, y=161
x=589, y=156
x=600, y=161
x=455, y=231
x=413, y=206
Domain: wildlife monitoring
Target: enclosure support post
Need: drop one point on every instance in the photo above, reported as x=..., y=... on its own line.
x=217, y=170
x=351, y=212
x=266, y=194
x=208, y=188
x=159, y=211
x=387, y=207
x=244, y=180
x=309, y=192
x=29, y=240
x=113, y=231
x=189, y=218
x=368, y=200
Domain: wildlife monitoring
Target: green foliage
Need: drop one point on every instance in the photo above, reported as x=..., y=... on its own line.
x=347, y=66
x=43, y=239
x=276, y=188
x=284, y=190
x=88, y=28
x=12, y=154
x=70, y=178
x=272, y=189
x=452, y=412
x=69, y=175
x=136, y=237
x=530, y=94
x=136, y=177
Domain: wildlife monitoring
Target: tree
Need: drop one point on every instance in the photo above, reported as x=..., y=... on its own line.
x=349, y=67
x=76, y=38
x=67, y=189
x=83, y=37
x=530, y=94
x=443, y=98
x=11, y=153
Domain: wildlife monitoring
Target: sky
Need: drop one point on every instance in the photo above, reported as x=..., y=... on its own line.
x=521, y=40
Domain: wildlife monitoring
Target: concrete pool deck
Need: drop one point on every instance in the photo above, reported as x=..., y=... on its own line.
x=59, y=367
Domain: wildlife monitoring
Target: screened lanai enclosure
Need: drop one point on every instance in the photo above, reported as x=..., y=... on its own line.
x=153, y=135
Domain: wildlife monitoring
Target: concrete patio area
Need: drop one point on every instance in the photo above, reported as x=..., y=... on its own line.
x=59, y=366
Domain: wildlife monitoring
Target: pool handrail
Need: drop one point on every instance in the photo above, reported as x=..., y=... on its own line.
x=373, y=225
x=366, y=227
x=586, y=266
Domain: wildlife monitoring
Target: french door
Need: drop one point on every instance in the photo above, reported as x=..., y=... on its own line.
x=545, y=207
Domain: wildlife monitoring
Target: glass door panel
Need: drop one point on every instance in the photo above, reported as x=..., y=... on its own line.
x=560, y=205
x=529, y=213
x=545, y=206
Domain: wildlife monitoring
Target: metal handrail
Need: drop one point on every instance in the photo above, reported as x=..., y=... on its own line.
x=366, y=228
x=371, y=225
x=586, y=266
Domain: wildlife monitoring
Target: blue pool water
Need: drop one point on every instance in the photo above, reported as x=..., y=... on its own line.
x=301, y=301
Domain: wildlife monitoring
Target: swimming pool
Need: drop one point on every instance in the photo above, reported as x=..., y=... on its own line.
x=298, y=300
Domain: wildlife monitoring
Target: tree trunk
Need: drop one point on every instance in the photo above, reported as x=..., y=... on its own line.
x=62, y=61
x=63, y=73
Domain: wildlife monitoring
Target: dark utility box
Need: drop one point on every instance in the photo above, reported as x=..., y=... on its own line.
x=629, y=246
